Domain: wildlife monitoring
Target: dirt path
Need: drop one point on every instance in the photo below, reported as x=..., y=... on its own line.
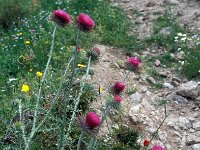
x=181, y=129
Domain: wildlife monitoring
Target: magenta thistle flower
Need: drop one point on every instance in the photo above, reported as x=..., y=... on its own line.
x=133, y=63
x=118, y=87
x=92, y=120
x=60, y=17
x=157, y=147
x=84, y=22
x=117, y=98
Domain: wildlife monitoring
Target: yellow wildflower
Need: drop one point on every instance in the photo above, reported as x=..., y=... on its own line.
x=100, y=90
x=27, y=42
x=81, y=66
x=25, y=88
x=39, y=74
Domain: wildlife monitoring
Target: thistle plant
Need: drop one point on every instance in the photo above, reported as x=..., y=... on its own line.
x=60, y=19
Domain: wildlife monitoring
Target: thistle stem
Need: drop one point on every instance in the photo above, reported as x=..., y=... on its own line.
x=77, y=103
x=40, y=90
x=79, y=141
x=61, y=143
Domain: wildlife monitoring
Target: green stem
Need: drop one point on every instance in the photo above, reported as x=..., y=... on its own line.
x=57, y=94
x=126, y=76
x=93, y=140
x=22, y=122
x=155, y=133
x=62, y=132
x=79, y=141
x=77, y=103
x=40, y=90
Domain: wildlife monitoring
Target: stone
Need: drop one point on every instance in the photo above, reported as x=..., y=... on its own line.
x=184, y=123
x=137, y=115
x=180, y=56
x=196, y=126
x=171, y=1
x=172, y=55
x=136, y=97
x=151, y=80
x=151, y=4
x=166, y=31
x=181, y=123
x=176, y=79
x=175, y=83
x=163, y=74
x=198, y=98
x=179, y=99
x=189, y=89
x=157, y=63
x=193, y=138
x=168, y=85
x=196, y=147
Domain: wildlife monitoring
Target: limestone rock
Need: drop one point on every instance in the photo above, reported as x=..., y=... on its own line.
x=193, y=138
x=157, y=63
x=136, y=97
x=189, y=89
x=196, y=147
x=168, y=85
x=179, y=99
x=196, y=126
x=137, y=114
x=151, y=80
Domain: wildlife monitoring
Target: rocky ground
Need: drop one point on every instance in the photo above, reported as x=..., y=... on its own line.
x=181, y=129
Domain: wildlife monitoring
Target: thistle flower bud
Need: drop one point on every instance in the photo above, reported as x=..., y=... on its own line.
x=118, y=87
x=117, y=98
x=94, y=53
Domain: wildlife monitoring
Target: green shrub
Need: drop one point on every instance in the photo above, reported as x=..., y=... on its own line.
x=191, y=67
x=11, y=11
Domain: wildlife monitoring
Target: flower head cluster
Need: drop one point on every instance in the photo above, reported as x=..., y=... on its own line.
x=157, y=147
x=60, y=17
x=84, y=22
x=117, y=89
x=89, y=123
x=133, y=63
x=94, y=53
